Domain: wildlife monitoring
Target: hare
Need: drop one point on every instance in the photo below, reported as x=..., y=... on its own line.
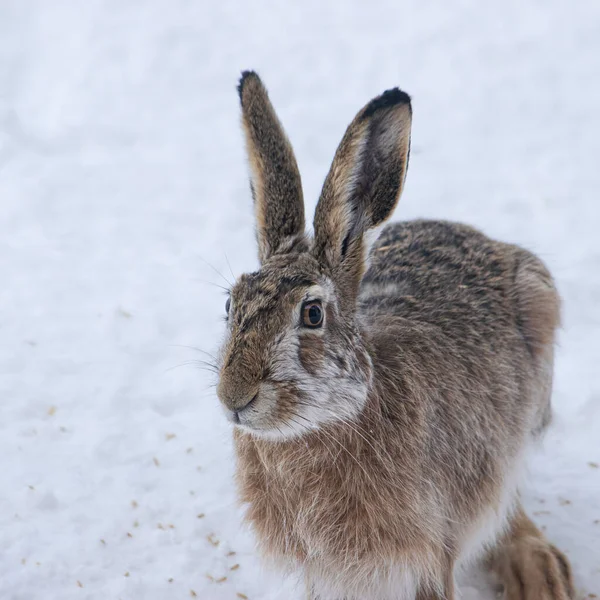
x=384, y=400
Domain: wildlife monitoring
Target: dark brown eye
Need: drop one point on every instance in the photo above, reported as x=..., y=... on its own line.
x=227, y=305
x=312, y=314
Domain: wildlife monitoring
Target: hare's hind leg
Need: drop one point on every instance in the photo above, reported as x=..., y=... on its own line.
x=538, y=309
x=530, y=567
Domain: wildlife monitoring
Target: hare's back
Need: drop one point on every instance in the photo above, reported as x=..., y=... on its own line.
x=441, y=297
x=451, y=276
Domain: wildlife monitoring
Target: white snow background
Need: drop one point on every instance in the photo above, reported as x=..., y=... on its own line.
x=122, y=173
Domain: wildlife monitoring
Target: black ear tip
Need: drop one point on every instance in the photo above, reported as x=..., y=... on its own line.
x=246, y=76
x=389, y=98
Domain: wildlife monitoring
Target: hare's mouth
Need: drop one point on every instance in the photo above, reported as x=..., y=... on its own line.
x=238, y=416
x=257, y=415
x=271, y=413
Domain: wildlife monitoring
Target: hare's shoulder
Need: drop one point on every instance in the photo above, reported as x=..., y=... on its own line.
x=437, y=272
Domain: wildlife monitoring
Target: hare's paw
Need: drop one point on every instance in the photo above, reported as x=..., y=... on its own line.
x=531, y=568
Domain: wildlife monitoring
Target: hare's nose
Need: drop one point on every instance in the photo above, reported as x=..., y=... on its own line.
x=236, y=413
x=236, y=395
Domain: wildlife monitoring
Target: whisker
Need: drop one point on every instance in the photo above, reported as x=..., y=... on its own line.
x=205, y=366
x=183, y=364
x=194, y=348
x=217, y=271
x=302, y=417
x=221, y=287
x=229, y=265
x=205, y=363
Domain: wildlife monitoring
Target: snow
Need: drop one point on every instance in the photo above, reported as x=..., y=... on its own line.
x=122, y=174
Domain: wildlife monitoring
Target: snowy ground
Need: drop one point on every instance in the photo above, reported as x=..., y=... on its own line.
x=122, y=171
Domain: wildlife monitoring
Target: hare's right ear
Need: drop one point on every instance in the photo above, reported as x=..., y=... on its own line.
x=274, y=176
x=363, y=187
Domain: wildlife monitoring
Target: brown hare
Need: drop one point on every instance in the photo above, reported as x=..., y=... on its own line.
x=384, y=399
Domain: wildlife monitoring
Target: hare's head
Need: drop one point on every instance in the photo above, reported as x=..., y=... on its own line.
x=294, y=357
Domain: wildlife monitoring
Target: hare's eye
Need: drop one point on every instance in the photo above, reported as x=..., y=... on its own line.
x=227, y=305
x=312, y=314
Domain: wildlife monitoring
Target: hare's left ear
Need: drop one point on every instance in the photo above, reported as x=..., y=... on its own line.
x=363, y=186
x=274, y=176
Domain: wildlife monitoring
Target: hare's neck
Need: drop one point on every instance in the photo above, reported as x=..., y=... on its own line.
x=291, y=486
x=348, y=446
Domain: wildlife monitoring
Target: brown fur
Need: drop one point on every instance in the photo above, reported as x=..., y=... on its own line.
x=358, y=194
x=528, y=566
x=311, y=353
x=275, y=181
x=450, y=335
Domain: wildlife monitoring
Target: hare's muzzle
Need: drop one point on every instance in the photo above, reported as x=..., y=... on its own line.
x=235, y=414
x=236, y=398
